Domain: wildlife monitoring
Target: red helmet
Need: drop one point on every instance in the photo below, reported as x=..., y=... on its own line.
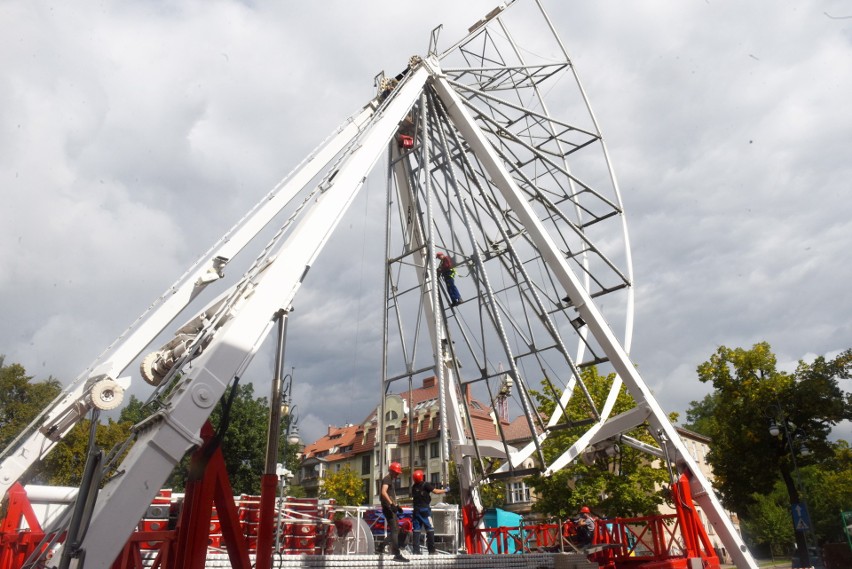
x=585, y=510
x=417, y=476
x=439, y=254
x=395, y=467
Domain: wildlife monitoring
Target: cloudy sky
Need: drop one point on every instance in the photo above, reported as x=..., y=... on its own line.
x=133, y=134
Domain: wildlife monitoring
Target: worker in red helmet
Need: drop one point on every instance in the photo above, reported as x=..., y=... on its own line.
x=391, y=509
x=585, y=527
x=421, y=492
x=447, y=271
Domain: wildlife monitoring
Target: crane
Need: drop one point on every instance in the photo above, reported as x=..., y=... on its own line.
x=477, y=166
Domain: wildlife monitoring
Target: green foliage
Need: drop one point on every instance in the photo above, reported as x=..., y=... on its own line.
x=748, y=462
x=134, y=411
x=296, y=491
x=767, y=521
x=244, y=446
x=749, y=391
x=828, y=489
x=701, y=415
x=64, y=464
x=21, y=399
x=622, y=485
x=344, y=486
x=493, y=494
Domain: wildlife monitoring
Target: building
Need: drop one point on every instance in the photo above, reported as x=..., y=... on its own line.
x=416, y=447
x=331, y=453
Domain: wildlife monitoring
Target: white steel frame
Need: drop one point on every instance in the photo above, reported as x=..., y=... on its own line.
x=511, y=192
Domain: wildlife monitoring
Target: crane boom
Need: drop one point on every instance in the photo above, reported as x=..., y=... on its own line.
x=174, y=429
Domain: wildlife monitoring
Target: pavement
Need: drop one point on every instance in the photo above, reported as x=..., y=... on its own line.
x=765, y=564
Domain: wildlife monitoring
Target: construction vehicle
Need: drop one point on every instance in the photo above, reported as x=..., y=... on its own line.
x=525, y=203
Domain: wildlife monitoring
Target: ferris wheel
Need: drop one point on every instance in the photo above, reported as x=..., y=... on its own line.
x=507, y=270
x=485, y=174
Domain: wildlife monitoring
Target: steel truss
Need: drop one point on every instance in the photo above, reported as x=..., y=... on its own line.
x=524, y=202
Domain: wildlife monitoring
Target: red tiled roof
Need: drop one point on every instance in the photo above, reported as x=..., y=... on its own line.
x=518, y=430
x=362, y=437
x=339, y=437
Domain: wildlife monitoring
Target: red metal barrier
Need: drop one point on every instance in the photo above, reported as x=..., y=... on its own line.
x=522, y=539
x=656, y=542
x=20, y=531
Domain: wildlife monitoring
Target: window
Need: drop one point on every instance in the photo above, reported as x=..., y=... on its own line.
x=392, y=434
x=365, y=464
x=434, y=450
x=421, y=452
x=435, y=478
x=517, y=493
x=391, y=416
x=696, y=452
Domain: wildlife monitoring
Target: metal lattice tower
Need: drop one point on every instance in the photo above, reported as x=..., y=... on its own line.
x=518, y=191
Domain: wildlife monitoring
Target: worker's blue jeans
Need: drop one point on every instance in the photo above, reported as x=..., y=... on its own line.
x=422, y=518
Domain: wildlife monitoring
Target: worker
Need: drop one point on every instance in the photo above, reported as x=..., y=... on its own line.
x=391, y=509
x=422, y=492
x=447, y=272
x=585, y=527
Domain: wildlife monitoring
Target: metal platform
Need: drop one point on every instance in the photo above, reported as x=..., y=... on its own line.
x=525, y=561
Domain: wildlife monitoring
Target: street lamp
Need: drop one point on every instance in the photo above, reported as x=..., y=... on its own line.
x=291, y=439
x=779, y=423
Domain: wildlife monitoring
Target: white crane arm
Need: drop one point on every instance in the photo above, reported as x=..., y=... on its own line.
x=175, y=429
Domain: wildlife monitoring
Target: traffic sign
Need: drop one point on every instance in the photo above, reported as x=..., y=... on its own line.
x=801, y=519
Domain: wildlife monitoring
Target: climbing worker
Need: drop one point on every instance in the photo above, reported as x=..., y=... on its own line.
x=585, y=527
x=421, y=492
x=447, y=272
x=391, y=509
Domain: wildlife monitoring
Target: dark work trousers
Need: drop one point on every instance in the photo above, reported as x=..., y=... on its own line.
x=391, y=529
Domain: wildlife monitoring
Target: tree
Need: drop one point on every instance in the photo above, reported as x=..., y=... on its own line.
x=767, y=521
x=749, y=394
x=65, y=463
x=21, y=399
x=622, y=485
x=829, y=491
x=344, y=486
x=493, y=494
x=134, y=411
x=244, y=445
